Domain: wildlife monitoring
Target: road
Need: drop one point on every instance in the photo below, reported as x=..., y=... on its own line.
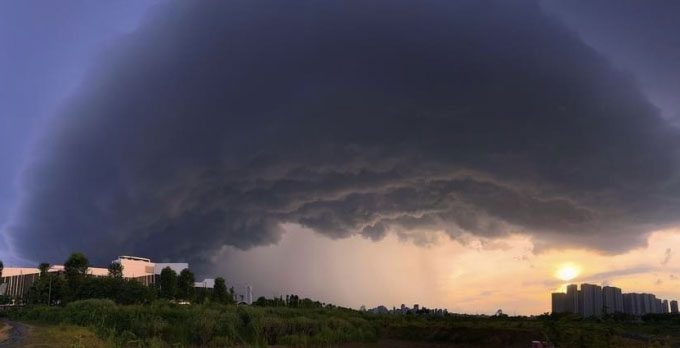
x=15, y=335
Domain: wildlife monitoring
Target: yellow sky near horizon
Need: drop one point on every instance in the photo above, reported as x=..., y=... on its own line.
x=473, y=277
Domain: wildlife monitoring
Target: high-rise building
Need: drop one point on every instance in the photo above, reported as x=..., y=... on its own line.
x=586, y=300
x=618, y=297
x=559, y=302
x=612, y=299
x=597, y=301
x=649, y=302
x=571, y=302
x=592, y=300
x=640, y=304
x=629, y=304
x=585, y=303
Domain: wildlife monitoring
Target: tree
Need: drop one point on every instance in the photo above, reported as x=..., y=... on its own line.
x=44, y=268
x=47, y=289
x=261, y=301
x=292, y=300
x=133, y=292
x=75, y=269
x=185, y=285
x=76, y=265
x=219, y=293
x=3, y=298
x=168, y=283
x=115, y=270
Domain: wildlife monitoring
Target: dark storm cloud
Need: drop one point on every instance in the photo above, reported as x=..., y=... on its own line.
x=214, y=124
x=641, y=36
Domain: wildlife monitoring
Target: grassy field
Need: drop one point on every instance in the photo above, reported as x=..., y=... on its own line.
x=42, y=335
x=98, y=323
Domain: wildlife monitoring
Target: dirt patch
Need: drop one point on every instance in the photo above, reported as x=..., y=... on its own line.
x=4, y=332
x=13, y=333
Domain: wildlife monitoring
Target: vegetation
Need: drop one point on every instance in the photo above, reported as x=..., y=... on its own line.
x=220, y=294
x=163, y=322
x=3, y=298
x=185, y=285
x=75, y=272
x=168, y=283
x=292, y=301
x=76, y=266
x=53, y=288
x=43, y=268
x=49, y=288
x=115, y=270
x=41, y=335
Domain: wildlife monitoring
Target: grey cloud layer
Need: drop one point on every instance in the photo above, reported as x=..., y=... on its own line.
x=212, y=125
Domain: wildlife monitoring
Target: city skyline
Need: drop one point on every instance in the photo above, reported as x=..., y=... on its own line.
x=356, y=152
x=596, y=301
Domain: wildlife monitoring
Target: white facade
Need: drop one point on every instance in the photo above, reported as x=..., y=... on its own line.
x=135, y=267
x=16, y=280
x=205, y=283
x=243, y=294
x=144, y=270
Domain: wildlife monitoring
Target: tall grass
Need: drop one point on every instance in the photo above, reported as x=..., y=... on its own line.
x=162, y=323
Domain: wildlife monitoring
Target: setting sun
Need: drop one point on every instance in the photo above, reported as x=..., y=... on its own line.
x=567, y=272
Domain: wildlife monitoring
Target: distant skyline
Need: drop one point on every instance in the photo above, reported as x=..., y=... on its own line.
x=452, y=154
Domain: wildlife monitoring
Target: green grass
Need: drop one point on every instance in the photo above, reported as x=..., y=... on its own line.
x=71, y=336
x=163, y=324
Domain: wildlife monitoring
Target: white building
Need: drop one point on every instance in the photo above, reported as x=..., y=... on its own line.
x=144, y=270
x=243, y=294
x=16, y=281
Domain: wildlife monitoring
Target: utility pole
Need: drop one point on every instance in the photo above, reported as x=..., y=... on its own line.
x=49, y=292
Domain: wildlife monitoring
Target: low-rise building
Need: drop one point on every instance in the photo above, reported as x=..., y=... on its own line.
x=16, y=281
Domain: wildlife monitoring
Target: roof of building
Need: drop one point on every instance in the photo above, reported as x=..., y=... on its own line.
x=136, y=258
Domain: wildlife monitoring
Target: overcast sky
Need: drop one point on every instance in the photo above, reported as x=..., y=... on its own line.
x=346, y=149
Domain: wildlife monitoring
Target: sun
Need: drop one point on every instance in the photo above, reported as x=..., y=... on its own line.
x=567, y=272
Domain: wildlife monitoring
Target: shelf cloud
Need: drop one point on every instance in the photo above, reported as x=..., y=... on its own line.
x=214, y=124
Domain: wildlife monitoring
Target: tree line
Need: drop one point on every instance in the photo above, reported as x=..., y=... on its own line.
x=292, y=301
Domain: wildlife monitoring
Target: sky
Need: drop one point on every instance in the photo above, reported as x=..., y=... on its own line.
x=451, y=154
